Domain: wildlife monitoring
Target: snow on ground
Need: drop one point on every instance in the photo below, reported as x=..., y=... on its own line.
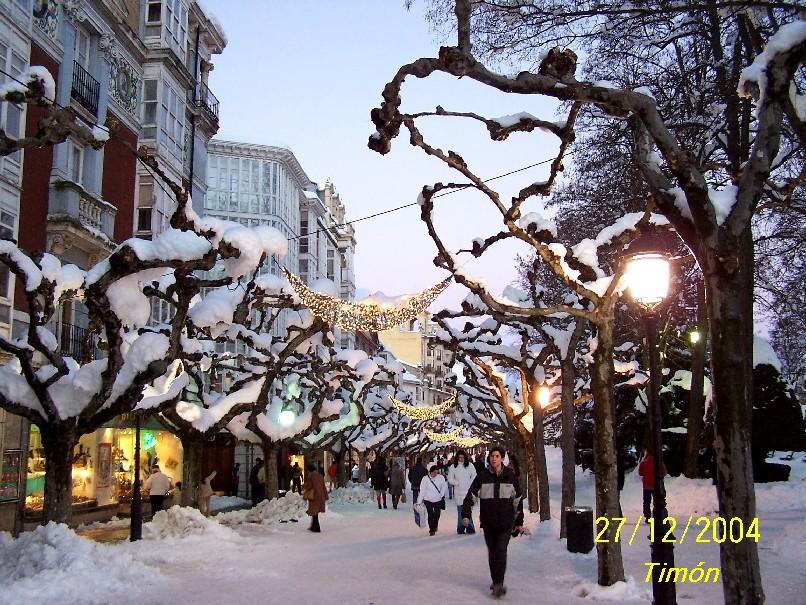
x=221, y=502
x=352, y=493
x=368, y=556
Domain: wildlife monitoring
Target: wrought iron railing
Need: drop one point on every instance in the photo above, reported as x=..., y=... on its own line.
x=206, y=99
x=85, y=88
x=78, y=343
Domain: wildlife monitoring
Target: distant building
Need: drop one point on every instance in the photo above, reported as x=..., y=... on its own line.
x=412, y=343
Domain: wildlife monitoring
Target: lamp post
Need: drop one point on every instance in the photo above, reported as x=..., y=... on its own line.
x=648, y=281
x=136, y=513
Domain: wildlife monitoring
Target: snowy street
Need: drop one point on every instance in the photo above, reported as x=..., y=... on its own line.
x=368, y=556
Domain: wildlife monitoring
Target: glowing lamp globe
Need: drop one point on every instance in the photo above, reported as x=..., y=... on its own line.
x=647, y=270
x=695, y=337
x=286, y=418
x=543, y=396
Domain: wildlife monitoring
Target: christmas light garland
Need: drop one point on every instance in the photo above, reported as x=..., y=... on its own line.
x=423, y=413
x=443, y=437
x=469, y=441
x=366, y=317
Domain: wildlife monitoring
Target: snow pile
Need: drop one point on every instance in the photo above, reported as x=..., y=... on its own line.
x=268, y=512
x=222, y=502
x=179, y=521
x=353, y=493
x=113, y=523
x=620, y=591
x=792, y=543
x=52, y=561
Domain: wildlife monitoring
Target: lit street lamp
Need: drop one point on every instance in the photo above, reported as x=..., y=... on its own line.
x=543, y=396
x=648, y=281
x=136, y=512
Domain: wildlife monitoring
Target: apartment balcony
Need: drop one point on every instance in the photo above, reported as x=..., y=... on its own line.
x=207, y=101
x=85, y=89
x=79, y=222
x=78, y=343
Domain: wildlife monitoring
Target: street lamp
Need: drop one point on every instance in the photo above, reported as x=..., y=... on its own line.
x=136, y=512
x=286, y=418
x=648, y=281
x=543, y=396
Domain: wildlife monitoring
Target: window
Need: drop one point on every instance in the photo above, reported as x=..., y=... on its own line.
x=149, y=109
x=144, y=219
x=331, y=264
x=303, y=269
x=171, y=121
x=81, y=48
x=75, y=162
x=175, y=25
x=11, y=114
x=303, y=233
x=7, y=220
x=154, y=12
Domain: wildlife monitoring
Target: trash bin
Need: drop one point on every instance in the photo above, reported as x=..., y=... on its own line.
x=579, y=528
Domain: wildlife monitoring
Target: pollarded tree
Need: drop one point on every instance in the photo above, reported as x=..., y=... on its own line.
x=709, y=92
x=710, y=200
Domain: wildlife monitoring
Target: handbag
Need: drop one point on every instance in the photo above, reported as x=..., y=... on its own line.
x=307, y=495
x=403, y=498
x=420, y=516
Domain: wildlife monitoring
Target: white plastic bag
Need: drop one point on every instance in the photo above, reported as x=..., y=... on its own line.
x=420, y=516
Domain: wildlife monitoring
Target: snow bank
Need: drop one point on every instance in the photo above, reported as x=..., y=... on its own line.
x=181, y=521
x=353, y=493
x=620, y=591
x=52, y=562
x=268, y=512
x=222, y=502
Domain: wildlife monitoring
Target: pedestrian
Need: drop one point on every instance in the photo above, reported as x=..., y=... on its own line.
x=460, y=475
x=647, y=471
x=235, y=479
x=255, y=485
x=206, y=494
x=320, y=469
x=380, y=480
x=332, y=475
x=176, y=494
x=397, y=483
x=433, y=489
x=355, y=473
x=478, y=463
x=157, y=485
x=315, y=493
x=296, y=478
x=416, y=474
x=500, y=512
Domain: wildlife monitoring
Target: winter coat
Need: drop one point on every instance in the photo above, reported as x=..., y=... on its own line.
x=158, y=484
x=380, y=481
x=647, y=472
x=254, y=475
x=416, y=474
x=397, y=482
x=355, y=473
x=501, y=503
x=315, y=488
x=432, y=489
x=460, y=477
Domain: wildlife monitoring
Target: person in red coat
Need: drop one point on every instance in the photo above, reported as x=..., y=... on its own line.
x=315, y=493
x=647, y=471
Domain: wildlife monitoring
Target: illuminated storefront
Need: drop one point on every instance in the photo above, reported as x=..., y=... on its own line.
x=103, y=465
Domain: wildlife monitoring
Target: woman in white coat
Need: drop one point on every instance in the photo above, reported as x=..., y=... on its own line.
x=460, y=475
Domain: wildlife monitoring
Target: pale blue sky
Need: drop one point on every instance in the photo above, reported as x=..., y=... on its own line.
x=305, y=74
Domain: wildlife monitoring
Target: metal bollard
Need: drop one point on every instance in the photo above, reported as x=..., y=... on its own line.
x=579, y=528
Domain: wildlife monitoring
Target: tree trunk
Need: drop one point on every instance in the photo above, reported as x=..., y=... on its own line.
x=58, y=443
x=610, y=564
x=272, y=481
x=341, y=476
x=192, y=452
x=540, y=461
x=567, y=440
x=730, y=317
x=696, y=404
x=531, y=476
x=362, y=466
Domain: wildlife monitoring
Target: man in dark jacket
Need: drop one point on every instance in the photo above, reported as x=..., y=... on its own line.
x=379, y=475
x=416, y=474
x=254, y=483
x=500, y=511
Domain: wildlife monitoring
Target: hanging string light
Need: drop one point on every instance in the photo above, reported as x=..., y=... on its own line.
x=469, y=441
x=423, y=413
x=443, y=437
x=366, y=317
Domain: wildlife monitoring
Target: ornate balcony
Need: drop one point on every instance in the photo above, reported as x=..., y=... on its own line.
x=78, y=343
x=80, y=221
x=85, y=89
x=207, y=100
